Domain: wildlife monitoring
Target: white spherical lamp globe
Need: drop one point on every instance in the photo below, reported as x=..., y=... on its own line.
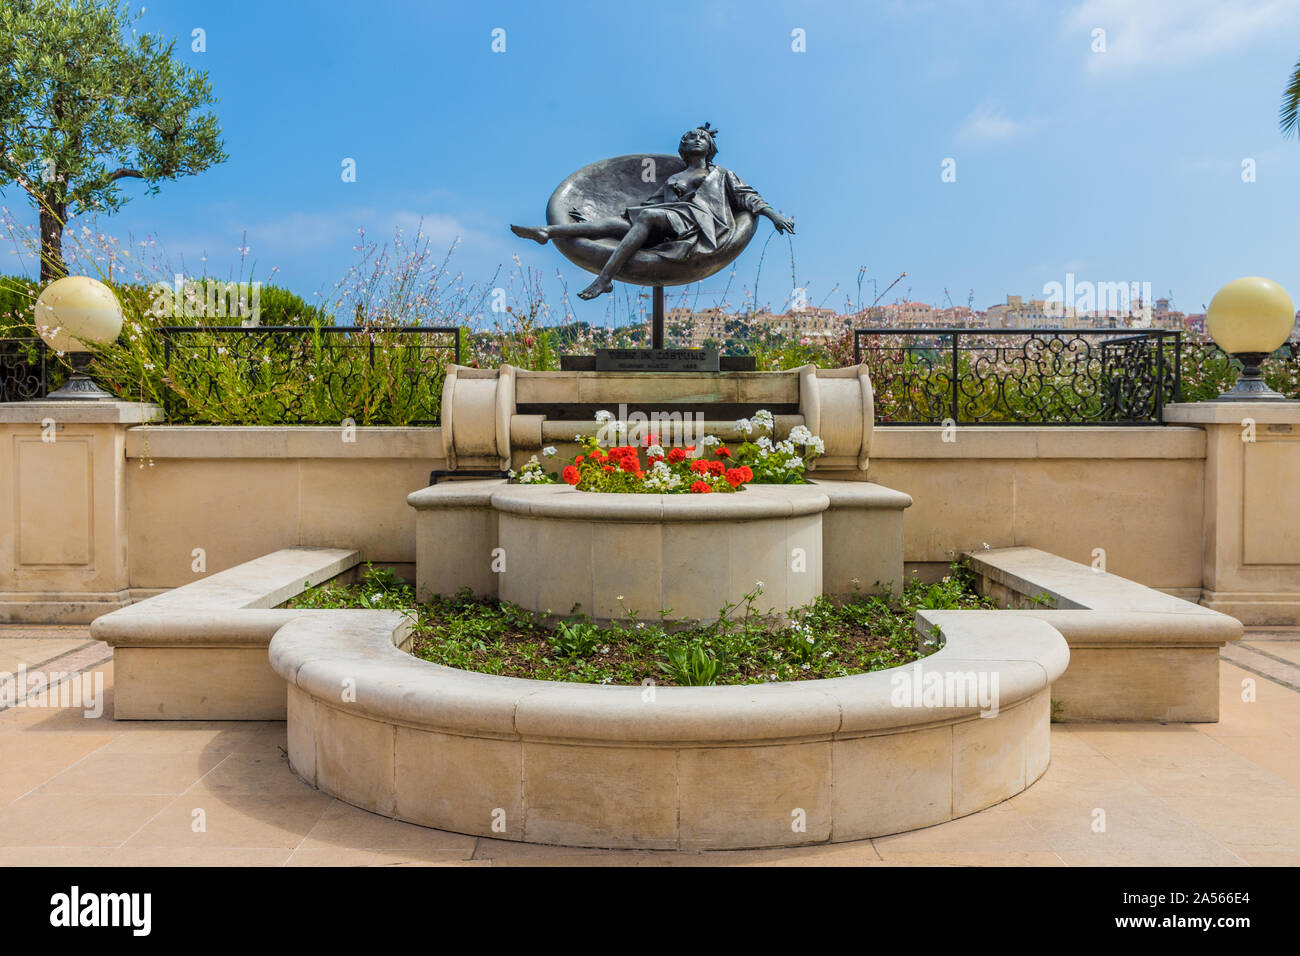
x=1251, y=318
x=73, y=315
x=1251, y=314
x=77, y=313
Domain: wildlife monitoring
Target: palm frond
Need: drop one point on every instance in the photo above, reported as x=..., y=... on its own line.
x=1288, y=115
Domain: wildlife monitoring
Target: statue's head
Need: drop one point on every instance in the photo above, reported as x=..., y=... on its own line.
x=699, y=140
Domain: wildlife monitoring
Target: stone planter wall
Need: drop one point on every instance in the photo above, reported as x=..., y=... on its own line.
x=550, y=547
x=667, y=767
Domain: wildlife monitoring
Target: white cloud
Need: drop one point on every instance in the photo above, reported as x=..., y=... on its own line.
x=1156, y=33
x=987, y=124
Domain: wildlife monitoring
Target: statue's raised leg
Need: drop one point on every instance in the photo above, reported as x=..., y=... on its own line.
x=611, y=228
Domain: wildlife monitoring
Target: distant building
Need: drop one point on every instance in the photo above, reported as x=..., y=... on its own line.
x=695, y=329
x=1019, y=313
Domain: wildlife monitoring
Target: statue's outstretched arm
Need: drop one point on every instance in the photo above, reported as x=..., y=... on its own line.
x=746, y=196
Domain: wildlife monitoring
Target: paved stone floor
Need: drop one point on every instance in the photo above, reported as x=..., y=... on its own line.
x=78, y=791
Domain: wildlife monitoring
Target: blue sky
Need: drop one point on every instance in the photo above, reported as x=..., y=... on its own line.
x=1117, y=166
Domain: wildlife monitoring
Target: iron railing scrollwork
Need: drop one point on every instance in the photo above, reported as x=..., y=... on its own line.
x=1021, y=376
x=24, y=374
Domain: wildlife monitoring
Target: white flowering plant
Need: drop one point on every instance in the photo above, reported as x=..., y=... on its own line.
x=532, y=473
x=776, y=463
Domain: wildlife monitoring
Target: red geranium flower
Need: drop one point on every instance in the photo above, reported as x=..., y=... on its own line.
x=607, y=467
x=570, y=475
x=578, y=460
x=723, y=451
x=701, y=488
x=700, y=467
x=676, y=455
x=715, y=467
x=746, y=472
x=735, y=477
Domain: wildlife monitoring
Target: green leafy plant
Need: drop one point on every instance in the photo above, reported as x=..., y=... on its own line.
x=692, y=666
x=575, y=638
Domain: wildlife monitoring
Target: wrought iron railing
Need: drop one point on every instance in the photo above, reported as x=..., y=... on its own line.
x=1021, y=376
x=306, y=375
x=23, y=371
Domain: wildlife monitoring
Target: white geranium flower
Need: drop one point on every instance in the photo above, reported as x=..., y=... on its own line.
x=655, y=451
x=744, y=426
x=604, y=416
x=800, y=435
x=548, y=451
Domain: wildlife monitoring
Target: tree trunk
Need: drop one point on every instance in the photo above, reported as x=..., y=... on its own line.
x=53, y=217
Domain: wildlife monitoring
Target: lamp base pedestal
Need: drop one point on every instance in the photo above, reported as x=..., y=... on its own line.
x=1251, y=386
x=82, y=388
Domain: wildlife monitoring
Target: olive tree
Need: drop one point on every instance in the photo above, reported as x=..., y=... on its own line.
x=86, y=102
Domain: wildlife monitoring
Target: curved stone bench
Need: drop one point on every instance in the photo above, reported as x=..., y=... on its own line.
x=667, y=767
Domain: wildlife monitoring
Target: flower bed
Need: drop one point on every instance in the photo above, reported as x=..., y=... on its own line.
x=703, y=468
x=741, y=646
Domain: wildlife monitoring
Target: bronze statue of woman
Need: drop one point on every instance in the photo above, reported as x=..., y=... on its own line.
x=691, y=216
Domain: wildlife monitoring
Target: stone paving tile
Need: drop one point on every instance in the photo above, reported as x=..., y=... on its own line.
x=29, y=760
x=76, y=819
x=1270, y=754
x=1171, y=855
x=89, y=792
x=197, y=856
x=32, y=654
x=1287, y=650
x=1274, y=711
x=44, y=632
x=508, y=853
x=348, y=856
x=133, y=773
x=180, y=737
x=1267, y=855
x=259, y=773
x=999, y=829
x=63, y=720
x=55, y=855
x=1250, y=819
x=342, y=826
x=964, y=858
x=232, y=819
